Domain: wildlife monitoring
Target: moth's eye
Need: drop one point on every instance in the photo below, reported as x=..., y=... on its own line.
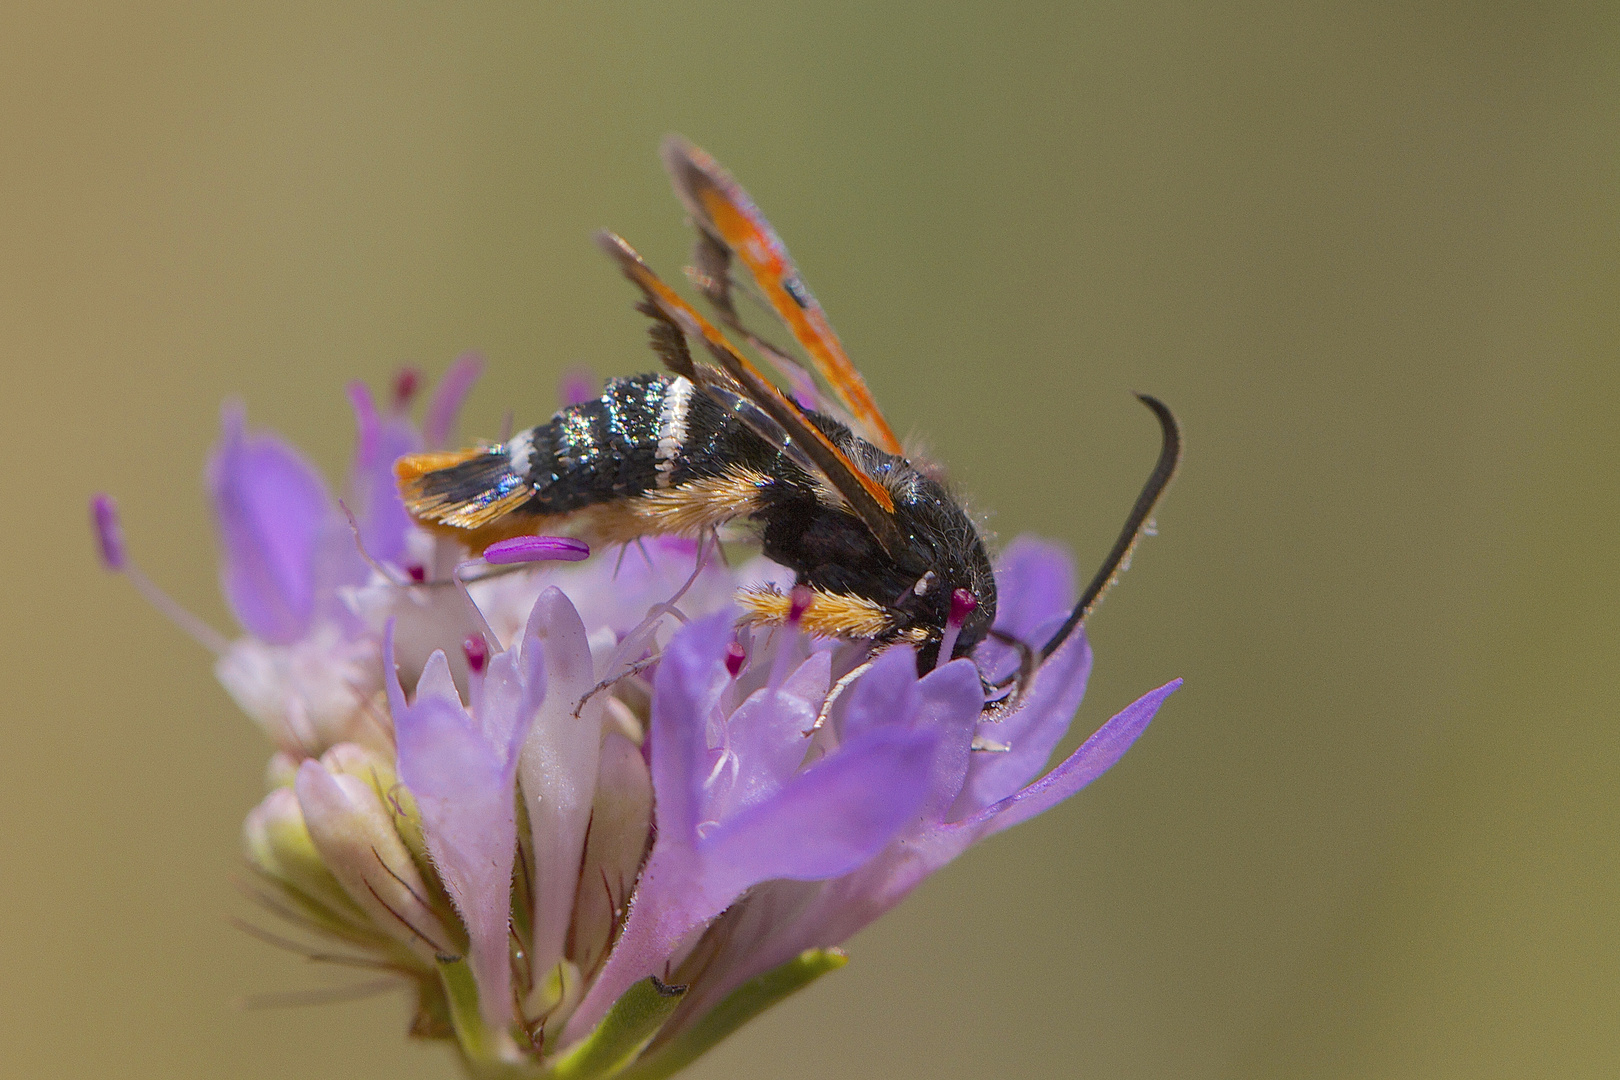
x=924, y=583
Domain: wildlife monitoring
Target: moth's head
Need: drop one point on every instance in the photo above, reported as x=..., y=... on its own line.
x=953, y=597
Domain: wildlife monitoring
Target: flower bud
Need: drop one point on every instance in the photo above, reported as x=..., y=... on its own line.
x=621, y=817
x=280, y=771
x=354, y=833
x=278, y=844
x=377, y=772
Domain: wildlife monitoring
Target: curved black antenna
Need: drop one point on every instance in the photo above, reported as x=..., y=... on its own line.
x=1157, y=481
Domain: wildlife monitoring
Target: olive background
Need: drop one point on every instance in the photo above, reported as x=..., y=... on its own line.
x=1367, y=251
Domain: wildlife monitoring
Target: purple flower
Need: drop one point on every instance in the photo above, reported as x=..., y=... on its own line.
x=291, y=557
x=736, y=804
x=575, y=808
x=461, y=765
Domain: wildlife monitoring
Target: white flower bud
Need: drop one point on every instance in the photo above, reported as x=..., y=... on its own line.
x=354, y=833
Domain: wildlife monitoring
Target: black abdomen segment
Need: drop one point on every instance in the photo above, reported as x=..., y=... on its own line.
x=593, y=452
x=644, y=434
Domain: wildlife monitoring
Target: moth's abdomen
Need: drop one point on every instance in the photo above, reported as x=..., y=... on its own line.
x=460, y=490
x=611, y=469
x=593, y=452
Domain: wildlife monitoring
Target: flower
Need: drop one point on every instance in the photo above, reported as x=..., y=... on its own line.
x=593, y=823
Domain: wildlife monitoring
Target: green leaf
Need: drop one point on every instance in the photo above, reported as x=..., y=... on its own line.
x=630, y=1025
x=740, y=1006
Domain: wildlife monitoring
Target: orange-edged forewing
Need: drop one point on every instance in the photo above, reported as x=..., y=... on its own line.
x=870, y=501
x=725, y=213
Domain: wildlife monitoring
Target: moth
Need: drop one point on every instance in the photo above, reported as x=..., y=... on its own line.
x=884, y=549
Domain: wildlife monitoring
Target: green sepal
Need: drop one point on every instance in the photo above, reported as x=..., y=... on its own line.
x=480, y=1045
x=740, y=1006
x=629, y=1026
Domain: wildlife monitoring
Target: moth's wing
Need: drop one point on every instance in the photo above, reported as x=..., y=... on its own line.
x=868, y=499
x=732, y=226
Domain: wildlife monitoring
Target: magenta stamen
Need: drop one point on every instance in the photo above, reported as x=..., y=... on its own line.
x=522, y=549
x=417, y=572
x=736, y=656
x=476, y=650
x=789, y=649
x=799, y=601
x=109, y=534
x=114, y=556
x=577, y=386
x=406, y=383
x=963, y=604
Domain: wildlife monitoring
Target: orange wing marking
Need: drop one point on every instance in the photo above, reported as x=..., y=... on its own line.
x=870, y=501
x=723, y=210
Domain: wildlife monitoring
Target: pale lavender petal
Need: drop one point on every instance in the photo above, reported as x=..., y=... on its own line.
x=376, y=504
x=523, y=549
x=463, y=785
x=558, y=767
x=827, y=820
x=1094, y=757
x=1034, y=581
x=1034, y=584
x=436, y=680
x=272, y=509
x=668, y=906
x=835, y=817
x=838, y=908
x=669, y=901
x=886, y=694
x=512, y=689
x=621, y=817
x=745, y=935
x=812, y=679
x=427, y=620
x=439, y=424
x=1032, y=732
x=951, y=699
x=765, y=745
x=691, y=676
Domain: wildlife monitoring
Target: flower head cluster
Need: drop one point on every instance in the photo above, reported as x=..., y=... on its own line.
x=593, y=823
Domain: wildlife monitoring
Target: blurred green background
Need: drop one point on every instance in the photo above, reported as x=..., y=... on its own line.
x=1370, y=253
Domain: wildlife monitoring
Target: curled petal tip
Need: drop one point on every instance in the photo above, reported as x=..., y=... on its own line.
x=522, y=549
x=109, y=533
